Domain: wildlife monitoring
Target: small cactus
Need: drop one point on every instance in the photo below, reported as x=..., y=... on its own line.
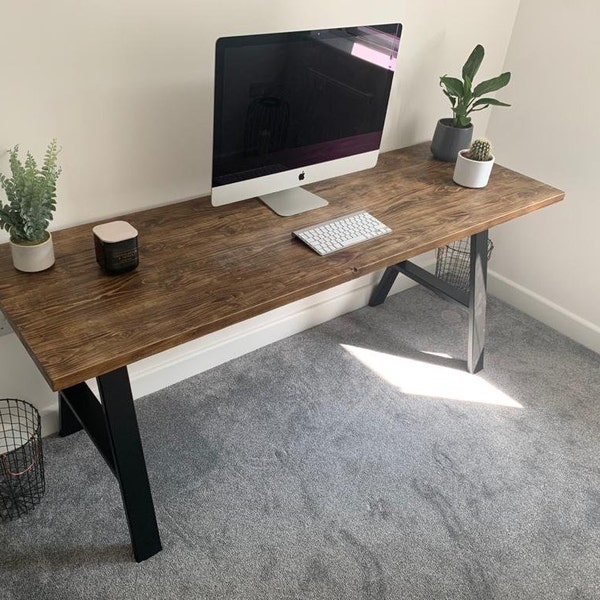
x=481, y=149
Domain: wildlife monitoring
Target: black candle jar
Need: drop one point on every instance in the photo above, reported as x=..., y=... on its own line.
x=116, y=245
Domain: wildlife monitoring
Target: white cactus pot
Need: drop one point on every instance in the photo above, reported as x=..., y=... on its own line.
x=32, y=259
x=472, y=173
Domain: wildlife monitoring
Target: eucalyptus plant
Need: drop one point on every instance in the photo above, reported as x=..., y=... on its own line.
x=465, y=98
x=31, y=195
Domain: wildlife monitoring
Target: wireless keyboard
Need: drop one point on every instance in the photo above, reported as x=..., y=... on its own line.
x=337, y=234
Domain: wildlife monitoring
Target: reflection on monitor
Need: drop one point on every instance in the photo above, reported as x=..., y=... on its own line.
x=299, y=107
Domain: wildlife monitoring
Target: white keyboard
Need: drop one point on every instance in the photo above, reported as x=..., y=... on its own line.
x=331, y=236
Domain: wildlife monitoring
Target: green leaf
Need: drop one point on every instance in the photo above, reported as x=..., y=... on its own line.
x=473, y=63
x=31, y=194
x=453, y=85
x=488, y=102
x=491, y=85
x=467, y=96
x=451, y=98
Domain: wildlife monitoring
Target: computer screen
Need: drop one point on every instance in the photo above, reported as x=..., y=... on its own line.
x=298, y=107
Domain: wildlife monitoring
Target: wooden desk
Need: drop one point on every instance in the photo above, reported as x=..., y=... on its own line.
x=204, y=268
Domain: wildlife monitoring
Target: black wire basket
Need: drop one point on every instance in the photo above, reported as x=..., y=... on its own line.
x=454, y=260
x=22, y=482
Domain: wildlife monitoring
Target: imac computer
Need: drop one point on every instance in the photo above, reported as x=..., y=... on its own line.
x=298, y=107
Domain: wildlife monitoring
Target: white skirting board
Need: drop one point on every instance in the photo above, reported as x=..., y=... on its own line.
x=544, y=310
x=22, y=380
x=164, y=369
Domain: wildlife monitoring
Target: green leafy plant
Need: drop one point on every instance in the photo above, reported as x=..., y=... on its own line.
x=465, y=98
x=481, y=150
x=31, y=195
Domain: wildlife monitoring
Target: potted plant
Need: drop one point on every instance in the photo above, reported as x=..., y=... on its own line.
x=474, y=165
x=31, y=194
x=452, y=134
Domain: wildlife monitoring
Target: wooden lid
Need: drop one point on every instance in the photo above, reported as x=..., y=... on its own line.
x=115, y=231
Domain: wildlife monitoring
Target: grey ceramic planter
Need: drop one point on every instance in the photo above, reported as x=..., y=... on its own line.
x=448, y=140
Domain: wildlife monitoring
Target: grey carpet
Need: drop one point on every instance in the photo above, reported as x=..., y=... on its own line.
x=297, y=472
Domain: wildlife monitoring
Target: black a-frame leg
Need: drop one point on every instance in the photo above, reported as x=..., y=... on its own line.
x=112, y=426
x=475, y=299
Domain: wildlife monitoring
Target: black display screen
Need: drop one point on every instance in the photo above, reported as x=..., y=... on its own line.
x=288, y=100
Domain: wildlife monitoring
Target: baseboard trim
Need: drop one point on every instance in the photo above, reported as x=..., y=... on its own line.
x=167, y=368
x=542, y=309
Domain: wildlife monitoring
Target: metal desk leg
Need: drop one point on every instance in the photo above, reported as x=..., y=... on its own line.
x=67, y=418
x=477, y=301
x=382, y=289
x=112, y=426
x=129, y=463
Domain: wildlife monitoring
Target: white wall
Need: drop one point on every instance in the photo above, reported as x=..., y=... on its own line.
x=547, y=263
x=126, y=87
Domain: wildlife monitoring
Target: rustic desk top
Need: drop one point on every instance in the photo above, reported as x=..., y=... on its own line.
x=203, y=268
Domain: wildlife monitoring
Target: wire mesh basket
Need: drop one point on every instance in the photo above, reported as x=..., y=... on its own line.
x=454, y=260
x=22, y=482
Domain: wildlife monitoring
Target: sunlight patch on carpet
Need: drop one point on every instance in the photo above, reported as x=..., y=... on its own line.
x=421, y=378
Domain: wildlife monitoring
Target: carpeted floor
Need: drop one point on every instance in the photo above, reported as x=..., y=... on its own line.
x=353, y=460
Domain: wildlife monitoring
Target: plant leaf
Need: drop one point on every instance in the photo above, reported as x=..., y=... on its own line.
x=453, y=85
x=491, y=85
x=488, y=102
x=31, y=194
x=473, y=63
x=451, y=98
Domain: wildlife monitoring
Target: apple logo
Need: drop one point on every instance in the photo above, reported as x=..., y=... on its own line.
x=301, y=176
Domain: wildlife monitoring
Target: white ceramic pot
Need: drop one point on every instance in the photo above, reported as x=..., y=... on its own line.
x=472, y=173
x=32, y=259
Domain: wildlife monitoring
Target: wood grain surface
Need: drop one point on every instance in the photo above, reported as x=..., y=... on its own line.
x=203, y=268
